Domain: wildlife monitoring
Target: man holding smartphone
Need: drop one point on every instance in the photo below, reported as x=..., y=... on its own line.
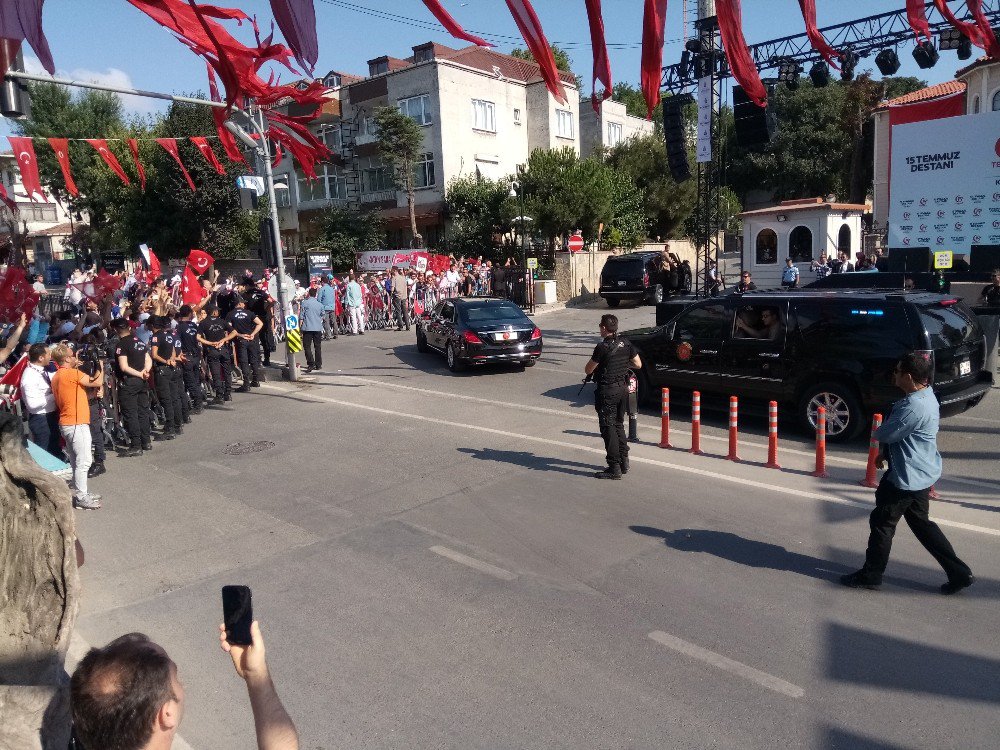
x=128, y=695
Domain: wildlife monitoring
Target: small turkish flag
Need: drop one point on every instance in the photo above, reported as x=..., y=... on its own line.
x=61, y=147
x=191, y=291
x=200, y=260
x=206, y=151
x=24, y=151
x=101, y=146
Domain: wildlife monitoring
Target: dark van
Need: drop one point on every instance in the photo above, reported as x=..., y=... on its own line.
x=634, y=277
x=807, y=349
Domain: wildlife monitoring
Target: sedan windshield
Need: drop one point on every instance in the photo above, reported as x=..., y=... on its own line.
x=489, y=313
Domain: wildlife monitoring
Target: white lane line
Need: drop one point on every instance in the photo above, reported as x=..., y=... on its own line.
x=482, y=567
x=726, y=664
x=710, y=474
x=979, y=419
x=218, y=467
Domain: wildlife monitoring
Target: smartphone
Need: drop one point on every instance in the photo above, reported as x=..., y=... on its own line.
x=237, y=614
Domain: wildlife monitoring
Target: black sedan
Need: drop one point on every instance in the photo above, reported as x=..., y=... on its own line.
x=479, y=331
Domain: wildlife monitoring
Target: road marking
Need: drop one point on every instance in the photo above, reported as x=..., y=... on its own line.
x=218, y=467
x=726, y=664
x=979, y=419
x=482, y=567
x=710, y=474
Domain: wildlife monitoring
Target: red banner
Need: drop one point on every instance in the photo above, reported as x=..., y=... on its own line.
x=737, y=53
x=819, y=44
x=61, y=147
x=206, y=150
x=170, y=146
x=917, y=17
x=297, y=21
x=986, y=35
x=451, y=25
x=24, y=152
x=654, y=16
x=602, y=64
x=970, y=30
x=133, y=146
x=101, y=146
x=531, y=29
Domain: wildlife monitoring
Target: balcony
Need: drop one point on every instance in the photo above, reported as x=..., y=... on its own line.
x=379, y=197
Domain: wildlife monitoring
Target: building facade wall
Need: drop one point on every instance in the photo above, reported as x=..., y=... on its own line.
x=595, y=130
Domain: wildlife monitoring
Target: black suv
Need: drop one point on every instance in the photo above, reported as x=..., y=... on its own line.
x=633, y=276
x=807, y=349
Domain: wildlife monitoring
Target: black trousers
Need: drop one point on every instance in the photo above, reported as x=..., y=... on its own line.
x=181, y=403
x=192, y=380
x=97, y=430
x=401, y=313
x=220, y=366
x=891, y=504
x=45, y=432
x=248, y=360
x=164, y=384
x=611, y=405
x=312, y=345
x=133, y=397
x=267, y=342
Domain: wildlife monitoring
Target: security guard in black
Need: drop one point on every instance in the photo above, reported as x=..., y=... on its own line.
x=214, y=334
x=187, y=334
x=610, y=364
x=247, y=325
x=132, y=366
x=161, y=346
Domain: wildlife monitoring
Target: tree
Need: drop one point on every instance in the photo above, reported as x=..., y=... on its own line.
x=635, y=103
x=400, y=140
x=562, y=58
x=481, y=211
x=344, y=233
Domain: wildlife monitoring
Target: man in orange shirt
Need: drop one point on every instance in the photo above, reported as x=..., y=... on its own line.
x=69, y=390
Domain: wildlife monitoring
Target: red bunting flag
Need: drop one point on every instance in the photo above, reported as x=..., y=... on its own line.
x=531, y=29
x=602, y=64
x=654, y=17
x=451, y=25
x=133, y=146
x=737, y=53
x=819, y=44
x=102, y=148
x=970, y=30
x=191, y=291
x=202, y=145
x=986, y=34
x=24, y=150
x=170, y=146
x=61, y=147
x=200, y=260
x=917, y=17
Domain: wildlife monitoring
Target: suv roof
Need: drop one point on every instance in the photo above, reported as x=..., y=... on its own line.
x=643, y=254
x=856, y=294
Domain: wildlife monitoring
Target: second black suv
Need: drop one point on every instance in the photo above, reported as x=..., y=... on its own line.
x=808, y=349
x=633, y=276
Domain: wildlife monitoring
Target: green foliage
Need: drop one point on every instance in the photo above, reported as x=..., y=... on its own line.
x=400, y=141
x=635, y=103
x=344, y=233
x=561, y=56
x=481, y=212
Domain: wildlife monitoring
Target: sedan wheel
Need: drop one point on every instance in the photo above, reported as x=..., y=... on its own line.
x=421, y=341
x=453, y=362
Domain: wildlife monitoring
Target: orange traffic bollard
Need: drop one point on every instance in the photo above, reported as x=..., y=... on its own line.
x=665, y=420
x=734, y=407
x=696, y=422
x=870, y=479
x=772, y=436
x=820, y=443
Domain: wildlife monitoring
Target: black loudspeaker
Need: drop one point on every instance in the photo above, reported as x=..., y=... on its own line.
x=755, y=126
x=675, y=135
x=267, y=252
x=910, y=259
x=984, y=258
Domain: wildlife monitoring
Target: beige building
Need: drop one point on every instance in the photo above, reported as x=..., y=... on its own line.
x=482, y=113
x=609, y=127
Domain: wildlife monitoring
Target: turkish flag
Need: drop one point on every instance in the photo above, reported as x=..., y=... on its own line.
x=202, y=145
x=17, y=296
x=654, y=17
x=101, y=146
x=170, y=146
x=13, y=375
x=133, y=146
x=200, y=260
x=61, y=147
x=191, y=291
x=24, y=150
x=152, y=262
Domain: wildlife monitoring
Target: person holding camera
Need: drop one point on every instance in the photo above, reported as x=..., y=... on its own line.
x=89, y=357
x=69, y=389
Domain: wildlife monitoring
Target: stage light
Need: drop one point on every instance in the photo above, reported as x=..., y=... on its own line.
x=788, y=73
x=820, y=74
x=949, y=38
x=926, y=55
x=964, y=49
x=848, y=62
x=887, y=61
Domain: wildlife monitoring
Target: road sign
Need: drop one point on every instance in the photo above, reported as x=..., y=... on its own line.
x=575, y=243
x=288, y=287
x=532, y=263
x=292, y=321
x=943, y=259
x=293, y=339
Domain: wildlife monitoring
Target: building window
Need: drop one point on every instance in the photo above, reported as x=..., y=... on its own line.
x=800, y=245
x=376, y=177
x=766, y=251
x=369, y=128
x=418, y=108
x=331, y=138
x=996, y=102
x=423, y=55
x=484, y=116
x=614, y=133
x=423, y=171
x=378, y=67
x=844, y=240
x=330, y=184
x=332, y=81
x=564, y=123
x=517, y=116
x=975, y=105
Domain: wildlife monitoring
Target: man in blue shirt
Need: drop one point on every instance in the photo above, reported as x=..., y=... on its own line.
x=327, y=296
x=790, y=275
x=908, y=439
x=311, y=321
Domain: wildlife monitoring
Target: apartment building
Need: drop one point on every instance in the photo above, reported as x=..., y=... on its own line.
x=609, y=127
x=482, y=112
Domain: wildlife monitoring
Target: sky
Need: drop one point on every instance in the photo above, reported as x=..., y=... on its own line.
x=109, y=41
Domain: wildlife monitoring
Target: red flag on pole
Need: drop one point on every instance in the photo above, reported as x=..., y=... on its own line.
x=602, y=64
x=24, y=150
x=654, y=16
x=819, y=44
x=101, y=146
x=13, y=375
x=737, y=53
x=199, y=260
x=451, y=25
x=133, y=146
x=152, y=262
x=191, y=291
x=61, y=147
x=170, y=146
x=202, y=145
x=531, y=29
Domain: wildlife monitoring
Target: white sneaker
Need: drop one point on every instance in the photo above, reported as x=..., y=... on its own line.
x=87, y=501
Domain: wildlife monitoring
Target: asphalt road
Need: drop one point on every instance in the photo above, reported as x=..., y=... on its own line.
x=434, y=566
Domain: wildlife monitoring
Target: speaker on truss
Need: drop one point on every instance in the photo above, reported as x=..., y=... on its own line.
x=910, y=259
x=755, y=126
x=984, y=258
x=675, y=134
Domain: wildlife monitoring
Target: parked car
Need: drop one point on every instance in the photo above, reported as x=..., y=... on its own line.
x=807, y=349
x=634, y=277
x=479, y=331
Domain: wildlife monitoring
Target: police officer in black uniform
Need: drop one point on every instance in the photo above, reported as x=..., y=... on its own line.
x=161, y=346
x=259, y=303
x=247, y=326
x=187, y=334
x=132, y=366
x=214, y=334
x=181, y=402
x=609, y=365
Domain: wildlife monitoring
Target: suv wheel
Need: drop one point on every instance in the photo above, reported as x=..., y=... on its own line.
x=644, y=391
x=843, y=411
x=613, y=301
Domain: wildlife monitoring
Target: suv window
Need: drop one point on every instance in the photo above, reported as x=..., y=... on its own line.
x=621, y=269
x=448, y=311
x=705, y=322
x=867, y=326
x=949, y=325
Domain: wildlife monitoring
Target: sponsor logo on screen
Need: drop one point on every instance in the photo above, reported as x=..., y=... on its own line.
x=977, y=224
x=958, y=212
x=923, y=214
x=923, y=240
x=906, y=240
x=940, y=227
x=939, y=241
x=959, y=199
x=958, y=226
x=940, y=214
x=976, y=239
x=977, y=211
x=978, y=198
x=905, y=227
x=940, y=201
x=923, y=227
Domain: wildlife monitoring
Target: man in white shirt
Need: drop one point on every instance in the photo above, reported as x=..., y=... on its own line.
x=451, y=278
x=36, y=393
x=39, y=285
